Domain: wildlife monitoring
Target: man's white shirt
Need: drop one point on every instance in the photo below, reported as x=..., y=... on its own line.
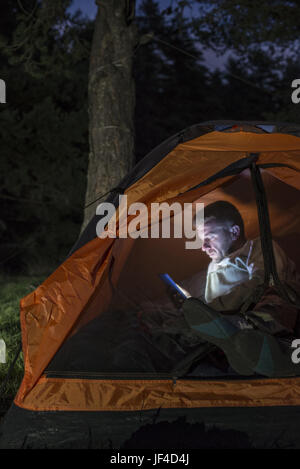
x=236, y=276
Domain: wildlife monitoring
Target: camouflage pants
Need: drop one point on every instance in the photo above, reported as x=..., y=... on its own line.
x=248, y=349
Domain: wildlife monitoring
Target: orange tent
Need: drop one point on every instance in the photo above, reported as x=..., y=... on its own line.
x=104, y=278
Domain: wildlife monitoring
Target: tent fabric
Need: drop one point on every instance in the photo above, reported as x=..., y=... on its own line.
x=115, y=395
x=242, y=141
x=82, y=286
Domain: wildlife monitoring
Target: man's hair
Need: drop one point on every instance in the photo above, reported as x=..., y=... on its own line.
x=223, y=212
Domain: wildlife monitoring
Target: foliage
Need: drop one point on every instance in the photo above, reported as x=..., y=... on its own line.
x=244, y=24
x=44, y=126
x=175, y=89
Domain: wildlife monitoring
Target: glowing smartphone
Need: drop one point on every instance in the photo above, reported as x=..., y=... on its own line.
x=170, y=282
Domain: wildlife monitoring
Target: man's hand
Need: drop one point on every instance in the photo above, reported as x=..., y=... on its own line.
x=176, y=298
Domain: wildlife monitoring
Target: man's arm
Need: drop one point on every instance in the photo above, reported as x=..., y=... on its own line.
x=232, y=301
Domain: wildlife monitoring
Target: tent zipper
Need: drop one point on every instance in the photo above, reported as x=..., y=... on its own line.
x=145, y=376
x=106, y=375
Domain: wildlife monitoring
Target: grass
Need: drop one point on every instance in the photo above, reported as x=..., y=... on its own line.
x=12, y=289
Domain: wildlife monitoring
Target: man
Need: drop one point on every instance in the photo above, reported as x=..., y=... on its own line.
x=234, y=273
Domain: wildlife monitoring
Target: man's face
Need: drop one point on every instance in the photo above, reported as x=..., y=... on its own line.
x=218, y=238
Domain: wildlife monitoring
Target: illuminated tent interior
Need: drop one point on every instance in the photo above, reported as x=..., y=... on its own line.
x=139, y=330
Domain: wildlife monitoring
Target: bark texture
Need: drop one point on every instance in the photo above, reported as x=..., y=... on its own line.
x=111, y=100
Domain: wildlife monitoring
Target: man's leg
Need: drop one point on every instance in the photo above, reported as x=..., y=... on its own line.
x=248, y=351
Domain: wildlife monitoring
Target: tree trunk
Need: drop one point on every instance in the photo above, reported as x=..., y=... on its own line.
x=111, y=100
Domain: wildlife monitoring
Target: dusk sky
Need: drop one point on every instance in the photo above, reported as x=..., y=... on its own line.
x=89, y=8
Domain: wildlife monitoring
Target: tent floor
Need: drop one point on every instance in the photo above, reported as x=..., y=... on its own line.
x=260, y=427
